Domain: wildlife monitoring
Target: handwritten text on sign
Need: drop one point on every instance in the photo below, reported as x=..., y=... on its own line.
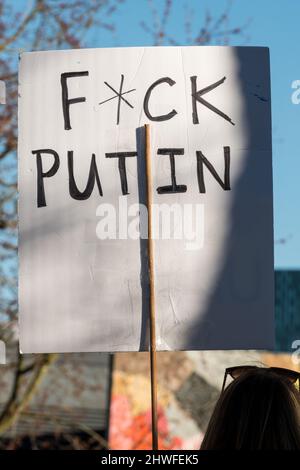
x=93, y=177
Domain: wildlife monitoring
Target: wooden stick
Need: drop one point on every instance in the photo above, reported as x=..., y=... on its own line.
x=153, y=368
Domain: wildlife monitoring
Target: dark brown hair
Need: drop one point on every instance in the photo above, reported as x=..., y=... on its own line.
x=258, y=410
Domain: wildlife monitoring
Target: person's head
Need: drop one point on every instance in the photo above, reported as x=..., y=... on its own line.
x=260, y=409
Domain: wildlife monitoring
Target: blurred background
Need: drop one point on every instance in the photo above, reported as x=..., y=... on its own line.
x=96, y=400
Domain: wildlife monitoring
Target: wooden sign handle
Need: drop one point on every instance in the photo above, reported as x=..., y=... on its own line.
x=153, y=367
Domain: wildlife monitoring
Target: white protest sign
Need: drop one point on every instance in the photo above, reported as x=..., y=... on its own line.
x=83, y=261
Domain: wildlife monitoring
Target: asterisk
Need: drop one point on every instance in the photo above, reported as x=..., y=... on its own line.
x=119, y=95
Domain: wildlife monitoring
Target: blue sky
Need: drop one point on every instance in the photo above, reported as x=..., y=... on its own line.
x=274, y=24
x=269, y=23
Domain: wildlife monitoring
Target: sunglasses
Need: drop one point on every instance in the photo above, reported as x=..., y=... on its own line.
x=235, y=372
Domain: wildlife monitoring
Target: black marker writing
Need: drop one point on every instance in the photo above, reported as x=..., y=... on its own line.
x=41, y=199
x=202, y=160
x=197, y=96
x=163, y=117
x=93, y=176
x=122, y=167
x=65, y=95
x=174, y=187
x=119, y=95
